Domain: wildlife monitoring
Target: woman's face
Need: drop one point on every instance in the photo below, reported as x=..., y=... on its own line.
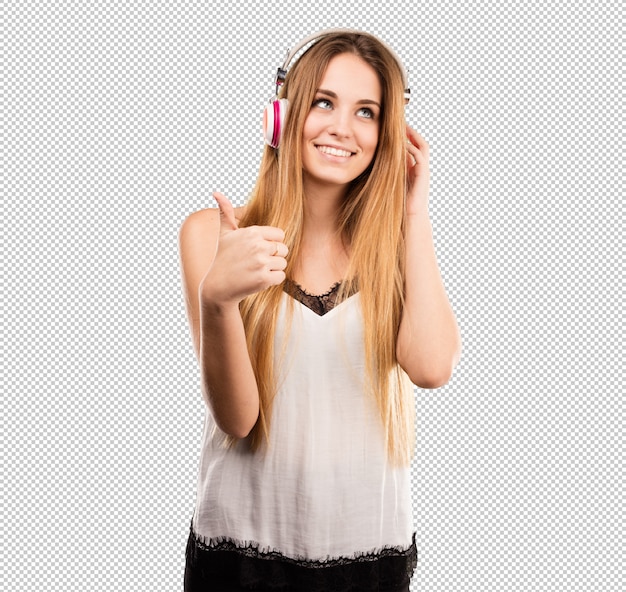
x=340, y=133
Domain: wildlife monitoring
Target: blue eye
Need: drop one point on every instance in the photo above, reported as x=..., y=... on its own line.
x=367, y=113
x=322, y=103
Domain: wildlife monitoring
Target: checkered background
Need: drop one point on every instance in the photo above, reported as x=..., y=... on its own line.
x=120, y=118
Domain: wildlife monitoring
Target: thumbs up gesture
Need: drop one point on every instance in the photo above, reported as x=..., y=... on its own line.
x=248, y=259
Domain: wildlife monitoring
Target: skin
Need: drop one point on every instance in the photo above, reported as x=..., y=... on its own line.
x=429, y=342
x=345, y=115
x=347, y=118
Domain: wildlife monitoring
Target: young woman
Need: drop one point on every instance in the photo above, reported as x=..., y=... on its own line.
x=309, y=309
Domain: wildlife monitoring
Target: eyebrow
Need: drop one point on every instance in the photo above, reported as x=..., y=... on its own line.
x=333, y=95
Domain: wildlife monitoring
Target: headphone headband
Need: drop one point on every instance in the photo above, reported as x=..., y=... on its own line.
x=282, y=70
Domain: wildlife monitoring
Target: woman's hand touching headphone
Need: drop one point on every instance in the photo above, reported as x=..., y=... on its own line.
x=418, y=173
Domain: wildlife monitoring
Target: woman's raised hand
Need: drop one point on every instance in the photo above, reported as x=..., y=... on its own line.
x=418, y=173
x=248, y=259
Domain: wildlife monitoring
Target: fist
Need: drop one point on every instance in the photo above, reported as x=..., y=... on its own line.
x=248, y=260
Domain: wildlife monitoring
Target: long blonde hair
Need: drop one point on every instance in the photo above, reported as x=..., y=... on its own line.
x=371, y=220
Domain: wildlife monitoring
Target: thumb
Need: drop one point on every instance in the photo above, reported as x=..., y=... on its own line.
x=227, y=213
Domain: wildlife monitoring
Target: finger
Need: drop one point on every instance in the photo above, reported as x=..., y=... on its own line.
x=416, y=139
x=270, y=233
x=278, y=249
x=410, y=159
x=227, y=213
x=277, y=264
x=276, y=277
x=415, y=154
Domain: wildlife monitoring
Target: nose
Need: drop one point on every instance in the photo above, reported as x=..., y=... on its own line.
x=340, y=124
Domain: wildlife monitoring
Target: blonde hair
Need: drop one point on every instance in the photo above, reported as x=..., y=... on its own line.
x=371, y=220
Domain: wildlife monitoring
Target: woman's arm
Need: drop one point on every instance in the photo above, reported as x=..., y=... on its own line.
x=221, y=264
x=429, y=342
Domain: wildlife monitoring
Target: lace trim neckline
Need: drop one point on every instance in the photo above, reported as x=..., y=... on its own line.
x=320, y=304
x=333, y=288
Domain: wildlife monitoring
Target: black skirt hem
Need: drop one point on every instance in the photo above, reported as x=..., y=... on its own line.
x=224, y=564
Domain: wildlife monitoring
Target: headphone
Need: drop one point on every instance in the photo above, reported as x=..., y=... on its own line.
x=276, y=111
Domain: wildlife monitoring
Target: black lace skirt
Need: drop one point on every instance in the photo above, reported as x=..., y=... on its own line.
x=225, y=567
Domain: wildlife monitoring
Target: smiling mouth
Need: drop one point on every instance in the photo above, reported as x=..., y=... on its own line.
x=334, y=151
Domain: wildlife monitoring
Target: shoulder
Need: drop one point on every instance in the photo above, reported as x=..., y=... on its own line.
x=208, y=216
x=199, y=224
x=200, y=230
x=198, y=238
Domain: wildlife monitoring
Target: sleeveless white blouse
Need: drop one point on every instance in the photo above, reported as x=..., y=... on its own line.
x=324, y=488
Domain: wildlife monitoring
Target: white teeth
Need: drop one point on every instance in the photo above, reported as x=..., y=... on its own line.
x=333, y=151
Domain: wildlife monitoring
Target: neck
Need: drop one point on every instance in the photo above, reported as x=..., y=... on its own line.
x=321, y=212
x=323, y=256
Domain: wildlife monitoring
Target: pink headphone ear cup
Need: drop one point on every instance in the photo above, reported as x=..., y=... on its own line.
x=274, y=121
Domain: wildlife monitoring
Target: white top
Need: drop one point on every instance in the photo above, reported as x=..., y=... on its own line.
x=324, y=488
